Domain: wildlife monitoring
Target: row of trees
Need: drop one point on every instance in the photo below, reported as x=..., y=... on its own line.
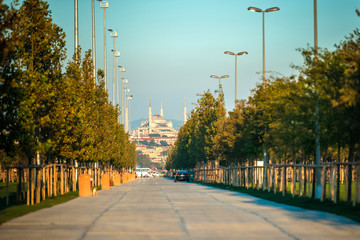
x=49, y=109
x=280, y=116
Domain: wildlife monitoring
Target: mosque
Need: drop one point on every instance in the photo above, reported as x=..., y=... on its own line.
x=156, y=125
x=156, y=129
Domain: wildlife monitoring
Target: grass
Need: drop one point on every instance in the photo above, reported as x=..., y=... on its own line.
x=342, y=208
x=13, y=211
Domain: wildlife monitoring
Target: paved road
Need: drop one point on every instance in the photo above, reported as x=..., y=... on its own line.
x=162, y=209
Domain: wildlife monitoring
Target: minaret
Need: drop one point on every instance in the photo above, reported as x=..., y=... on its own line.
x=150, y=114
x=161, y=110
x=184, y=110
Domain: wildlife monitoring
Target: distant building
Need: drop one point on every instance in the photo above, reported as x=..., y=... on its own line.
x=156, y=129
x=155, y=126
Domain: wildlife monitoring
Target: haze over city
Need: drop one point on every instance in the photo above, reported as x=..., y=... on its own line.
x=170, y=48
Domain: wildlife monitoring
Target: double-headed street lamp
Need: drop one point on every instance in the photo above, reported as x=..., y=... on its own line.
x=236, y=54
x=113, y=34
x=124, y=94
x=116, y=90
x=224, y=76
x=129, y=98
x=254, y=9
x=104, y=5
x=126, y=125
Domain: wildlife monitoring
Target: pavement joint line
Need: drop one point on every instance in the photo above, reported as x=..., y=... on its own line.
x=252, y=212
x=100, y=215
x=179, y=216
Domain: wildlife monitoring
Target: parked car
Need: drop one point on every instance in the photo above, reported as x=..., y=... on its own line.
x=182, y=175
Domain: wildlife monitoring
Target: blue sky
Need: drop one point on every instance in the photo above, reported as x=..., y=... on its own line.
x=171, y=47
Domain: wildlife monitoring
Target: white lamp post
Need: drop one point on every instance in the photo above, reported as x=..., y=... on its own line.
x=254, y=9
x=104, y=5
x=236, y=54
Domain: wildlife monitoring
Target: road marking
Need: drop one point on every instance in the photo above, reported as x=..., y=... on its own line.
x=179, y=216
x=100, y=215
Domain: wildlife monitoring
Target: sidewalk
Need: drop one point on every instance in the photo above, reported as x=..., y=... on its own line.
x=161, y=209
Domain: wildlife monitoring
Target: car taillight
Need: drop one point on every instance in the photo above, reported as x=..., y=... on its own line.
x=177, y=175
x=187, y=175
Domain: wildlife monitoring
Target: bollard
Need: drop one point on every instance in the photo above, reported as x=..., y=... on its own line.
x=105, y=182
x=84, y=186
x=117, y=180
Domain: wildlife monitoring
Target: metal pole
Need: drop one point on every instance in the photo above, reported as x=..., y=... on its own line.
x=76, y=43
x=263, y=23
x=235, y=77
x=93, y=39
x=315, y=28
x=129, y=120
x=117, y=81
x=317, y=124
x=122, y=99
x=105, y=47
x=113, y=90
x=219, y=87
x=126, y=123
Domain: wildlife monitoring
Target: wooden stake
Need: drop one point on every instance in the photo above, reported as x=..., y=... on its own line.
x=28, y=187
x=323, y=184
x=38, y=185
x=51, y=170
x=357, y=178
x=55, y=181
x=283, y=180
x=18, y=186
x=7, y=187
x=61, y=179
x=43, y=183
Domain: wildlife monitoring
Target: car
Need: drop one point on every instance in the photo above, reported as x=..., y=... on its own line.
x=182, y=175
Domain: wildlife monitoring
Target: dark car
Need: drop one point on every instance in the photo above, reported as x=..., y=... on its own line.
x=182, y=175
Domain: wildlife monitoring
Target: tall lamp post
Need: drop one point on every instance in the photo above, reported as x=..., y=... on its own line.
x=129, y=113
x=113, y=34
x=318, y=188
x=76, y=29
x=224, y=76
x=117, y=55
x=122, y=70
x=273, y=9
x=93, y=38
x=104, y=5
x=127, y=90
x=124, y=82
x=254, y=9
x=236, y=54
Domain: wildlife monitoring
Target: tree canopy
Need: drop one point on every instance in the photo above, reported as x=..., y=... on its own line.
x=46, y=111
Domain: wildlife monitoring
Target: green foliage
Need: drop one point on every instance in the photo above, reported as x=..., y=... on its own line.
x=143, y=161
x=198, y=140
x=279, y=116
x=58, y=115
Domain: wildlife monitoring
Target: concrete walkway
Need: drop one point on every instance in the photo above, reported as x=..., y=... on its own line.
x=162, y=209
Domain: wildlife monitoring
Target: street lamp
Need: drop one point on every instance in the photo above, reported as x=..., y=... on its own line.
x=224, y=76
x=93, y=39
x=117, y=55
x=122, y=70
x=127, y=90
x=254, y=9
x=236, y=54
x=76, y=30
x=113, y=34
x=104, y=5
x=124, y=82
x=129, y=119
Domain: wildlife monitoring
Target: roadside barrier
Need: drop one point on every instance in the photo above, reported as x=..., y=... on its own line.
x=336, y=178
x=39, y=182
